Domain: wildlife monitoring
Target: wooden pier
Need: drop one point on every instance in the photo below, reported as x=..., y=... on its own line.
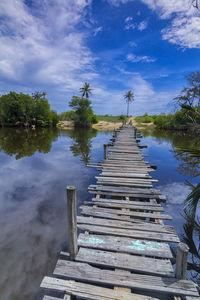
x=123, y=249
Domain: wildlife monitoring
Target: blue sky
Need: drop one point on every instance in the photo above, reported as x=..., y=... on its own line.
x=146, y=46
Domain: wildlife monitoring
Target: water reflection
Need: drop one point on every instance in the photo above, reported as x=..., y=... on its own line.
x=185, y=147
x=22, y=142
x=186, y=151
x=82, y=142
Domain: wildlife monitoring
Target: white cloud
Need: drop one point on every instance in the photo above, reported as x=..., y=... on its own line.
x=44, y=40
x=129, y=24
x=135, y=58
x=184, y=32
x=97, y=30
x=184, y=29
x=142, y=25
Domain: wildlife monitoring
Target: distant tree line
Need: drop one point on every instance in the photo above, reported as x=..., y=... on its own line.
x=188, y=114
x=23, y=110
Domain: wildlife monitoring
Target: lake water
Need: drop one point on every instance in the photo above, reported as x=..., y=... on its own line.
x=37, y=165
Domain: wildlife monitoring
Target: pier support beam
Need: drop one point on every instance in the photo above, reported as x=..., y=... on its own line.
x=181, y=261
x=105, y=151
x=72, y=221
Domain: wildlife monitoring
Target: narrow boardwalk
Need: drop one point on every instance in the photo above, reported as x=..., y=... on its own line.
x=123, y=250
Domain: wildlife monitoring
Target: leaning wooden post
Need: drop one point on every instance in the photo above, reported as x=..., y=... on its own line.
x=72, y=222
x=105, y=151
x=181, y=261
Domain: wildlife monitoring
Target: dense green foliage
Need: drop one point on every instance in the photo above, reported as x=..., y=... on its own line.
x=67, y=116
x=83, y=115
x=18, y=109
x=180, y=120
x=113, y=119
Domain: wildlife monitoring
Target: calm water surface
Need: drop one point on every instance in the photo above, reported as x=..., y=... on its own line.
x=35, y=168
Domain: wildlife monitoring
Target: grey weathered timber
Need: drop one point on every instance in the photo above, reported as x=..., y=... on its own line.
x=181, y=261
x=126, y=261
x=88, y=291
x=130, y=202
x=87, y=210
x=125, y=205
x=142, y=226
x=125, y=184
x=105, y=151
x=72, y=221
x=143, y=235
x=85, y=272
x=126, y=245
x=124, y=179
x=66, y=297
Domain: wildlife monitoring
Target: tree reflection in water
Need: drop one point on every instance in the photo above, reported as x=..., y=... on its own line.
x=192, y=231
x=83, y=142
x=25, y=142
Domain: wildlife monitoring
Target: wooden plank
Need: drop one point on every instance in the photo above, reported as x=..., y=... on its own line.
x=125, y=179
x=143, y=226
x=66, y=297
x=131, y=202
x=120, y=173
x=126, y=245
x=143, y=235
x=137, y=263
x=124, y=184
x=125, y=190
x=128, y=194
x=87, y=210
x=87, y=273
x=125, y=205
x=100, y=214
x=88, y=291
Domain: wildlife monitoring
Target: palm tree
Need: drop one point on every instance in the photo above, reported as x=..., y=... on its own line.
x=129, y=97
x=86, y=90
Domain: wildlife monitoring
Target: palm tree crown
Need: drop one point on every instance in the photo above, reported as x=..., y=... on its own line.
x=86, y=90
x=129, y=97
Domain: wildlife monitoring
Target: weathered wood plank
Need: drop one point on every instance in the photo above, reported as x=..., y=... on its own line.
x=131, y=202
x=143, y=226
x=87, y=210
x=143, y=235
x=126, y=245
x=88, y=291
x=87, y=273
x=126, y=261
x=125, y=205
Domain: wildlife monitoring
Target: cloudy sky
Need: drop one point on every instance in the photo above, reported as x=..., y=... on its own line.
x=147, y=46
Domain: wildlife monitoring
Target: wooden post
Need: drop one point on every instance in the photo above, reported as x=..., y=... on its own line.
x=72, y=222
x=105, y=151
x=181, y=261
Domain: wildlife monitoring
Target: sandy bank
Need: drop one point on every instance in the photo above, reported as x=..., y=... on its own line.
x=102, y=125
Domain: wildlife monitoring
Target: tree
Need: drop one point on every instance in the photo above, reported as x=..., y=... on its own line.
x=83, y=112
x=189, y=98
x=86, y=90
x=24, y=110
x=129, y=97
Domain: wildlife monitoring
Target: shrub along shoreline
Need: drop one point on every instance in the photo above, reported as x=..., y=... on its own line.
x=23, y=110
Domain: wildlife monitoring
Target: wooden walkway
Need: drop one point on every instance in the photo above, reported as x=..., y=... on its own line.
x=123, y=250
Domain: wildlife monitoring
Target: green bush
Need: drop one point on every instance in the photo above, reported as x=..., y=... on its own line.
x=18, y=109
x=83, y=112
x=123, y=118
